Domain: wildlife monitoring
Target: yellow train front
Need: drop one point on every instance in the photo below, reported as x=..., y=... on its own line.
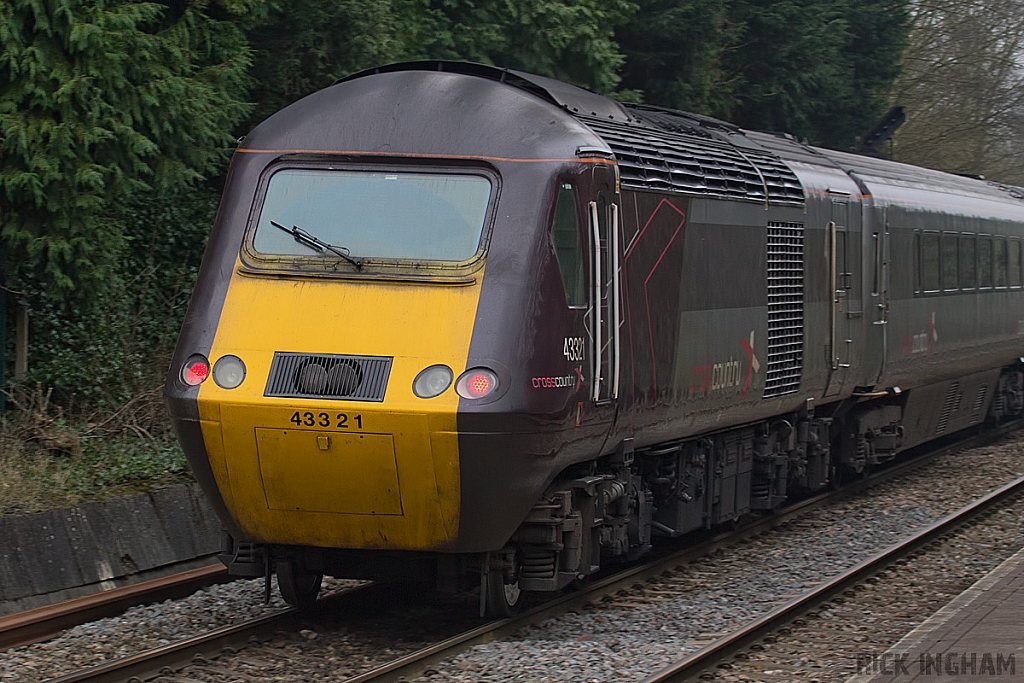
x=342, y=384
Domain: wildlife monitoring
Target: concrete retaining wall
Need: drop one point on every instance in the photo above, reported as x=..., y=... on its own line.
x=56, y=555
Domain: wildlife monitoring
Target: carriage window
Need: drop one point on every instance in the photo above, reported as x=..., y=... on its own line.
x=999, y=262
x=968, y=265
x=930, y=262
x=949, y=261
x=565, y=237
x=1014, y=265
x=984, y=262
x=375, y=214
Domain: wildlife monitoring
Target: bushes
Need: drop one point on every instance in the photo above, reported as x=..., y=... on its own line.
x=101, y=347
x=89, y=421
x=49, y=461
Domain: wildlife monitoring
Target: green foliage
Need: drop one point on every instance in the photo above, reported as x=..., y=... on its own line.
x=50, y=460
x=565, y=39
x=877, y=37
x=100, y=99
x=819, y=69
x=33, y=479
x=305, y=45
x=118, y=340
x=675, y=52
x=124, y=462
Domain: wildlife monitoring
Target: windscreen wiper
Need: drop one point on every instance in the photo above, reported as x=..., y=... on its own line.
x=316, y=244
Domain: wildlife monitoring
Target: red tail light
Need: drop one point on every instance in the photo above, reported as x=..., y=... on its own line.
x=196, y=370
x=476, y=383
x=479, y=384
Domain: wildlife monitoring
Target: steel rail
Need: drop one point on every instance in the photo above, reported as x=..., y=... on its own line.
x=42, y=623
x=151, y=663
x=708, y=657
x=154, y=662
x=415, y=663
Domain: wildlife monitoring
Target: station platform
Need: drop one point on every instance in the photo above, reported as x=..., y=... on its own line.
x=977, y=636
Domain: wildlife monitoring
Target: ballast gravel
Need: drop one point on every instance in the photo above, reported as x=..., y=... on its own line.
x=624, y=637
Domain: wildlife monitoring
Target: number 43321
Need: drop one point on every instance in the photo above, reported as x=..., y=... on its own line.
x=327, y=420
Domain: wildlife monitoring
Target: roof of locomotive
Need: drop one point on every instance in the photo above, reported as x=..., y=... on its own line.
x=656, y=149
x=414, y=113
x=441, y=109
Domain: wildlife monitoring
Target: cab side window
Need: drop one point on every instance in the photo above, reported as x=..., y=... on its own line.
x=568, y=244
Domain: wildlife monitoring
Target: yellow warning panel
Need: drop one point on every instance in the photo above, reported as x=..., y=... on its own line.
x=317, y=471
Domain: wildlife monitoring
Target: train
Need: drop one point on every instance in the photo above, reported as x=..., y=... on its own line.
x=477, y=327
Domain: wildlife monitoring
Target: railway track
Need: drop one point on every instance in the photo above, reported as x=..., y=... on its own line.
x=163, y=662
x=43, y=623
x=709, y=658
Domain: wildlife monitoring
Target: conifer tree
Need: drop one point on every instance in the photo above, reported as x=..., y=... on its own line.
x=820, y=69
x=572, y=40
x=100, y=99
x=304, y=45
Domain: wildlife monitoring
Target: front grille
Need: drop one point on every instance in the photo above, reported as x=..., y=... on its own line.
x=785, y=308
x=348, y=378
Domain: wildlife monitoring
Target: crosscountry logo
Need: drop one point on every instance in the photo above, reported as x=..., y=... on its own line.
x=752, y=363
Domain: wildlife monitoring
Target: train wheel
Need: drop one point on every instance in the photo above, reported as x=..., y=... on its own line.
x=504, y=598
x=299, y=586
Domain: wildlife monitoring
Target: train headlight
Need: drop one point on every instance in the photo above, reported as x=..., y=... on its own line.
x=432, y=381
x=476, y=383
x=195, y=370
x=228, y=372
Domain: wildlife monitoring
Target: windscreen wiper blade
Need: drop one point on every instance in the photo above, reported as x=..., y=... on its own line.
x=316, y=244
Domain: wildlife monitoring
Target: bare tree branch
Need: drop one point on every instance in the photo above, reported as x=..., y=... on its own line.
x=963, y=88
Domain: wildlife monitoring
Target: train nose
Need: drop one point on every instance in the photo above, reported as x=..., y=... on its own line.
x=336, y=450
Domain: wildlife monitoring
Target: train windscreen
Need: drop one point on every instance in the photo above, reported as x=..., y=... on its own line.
x=375, y=215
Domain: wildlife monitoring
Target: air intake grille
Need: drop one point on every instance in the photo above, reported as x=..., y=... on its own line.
x=785, y=308
x=349, y=378
x=949, y=407
x=979, y=402
x=661, y=160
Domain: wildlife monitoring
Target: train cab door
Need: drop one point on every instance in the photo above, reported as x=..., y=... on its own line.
x=605, y=314
x=840, y=285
